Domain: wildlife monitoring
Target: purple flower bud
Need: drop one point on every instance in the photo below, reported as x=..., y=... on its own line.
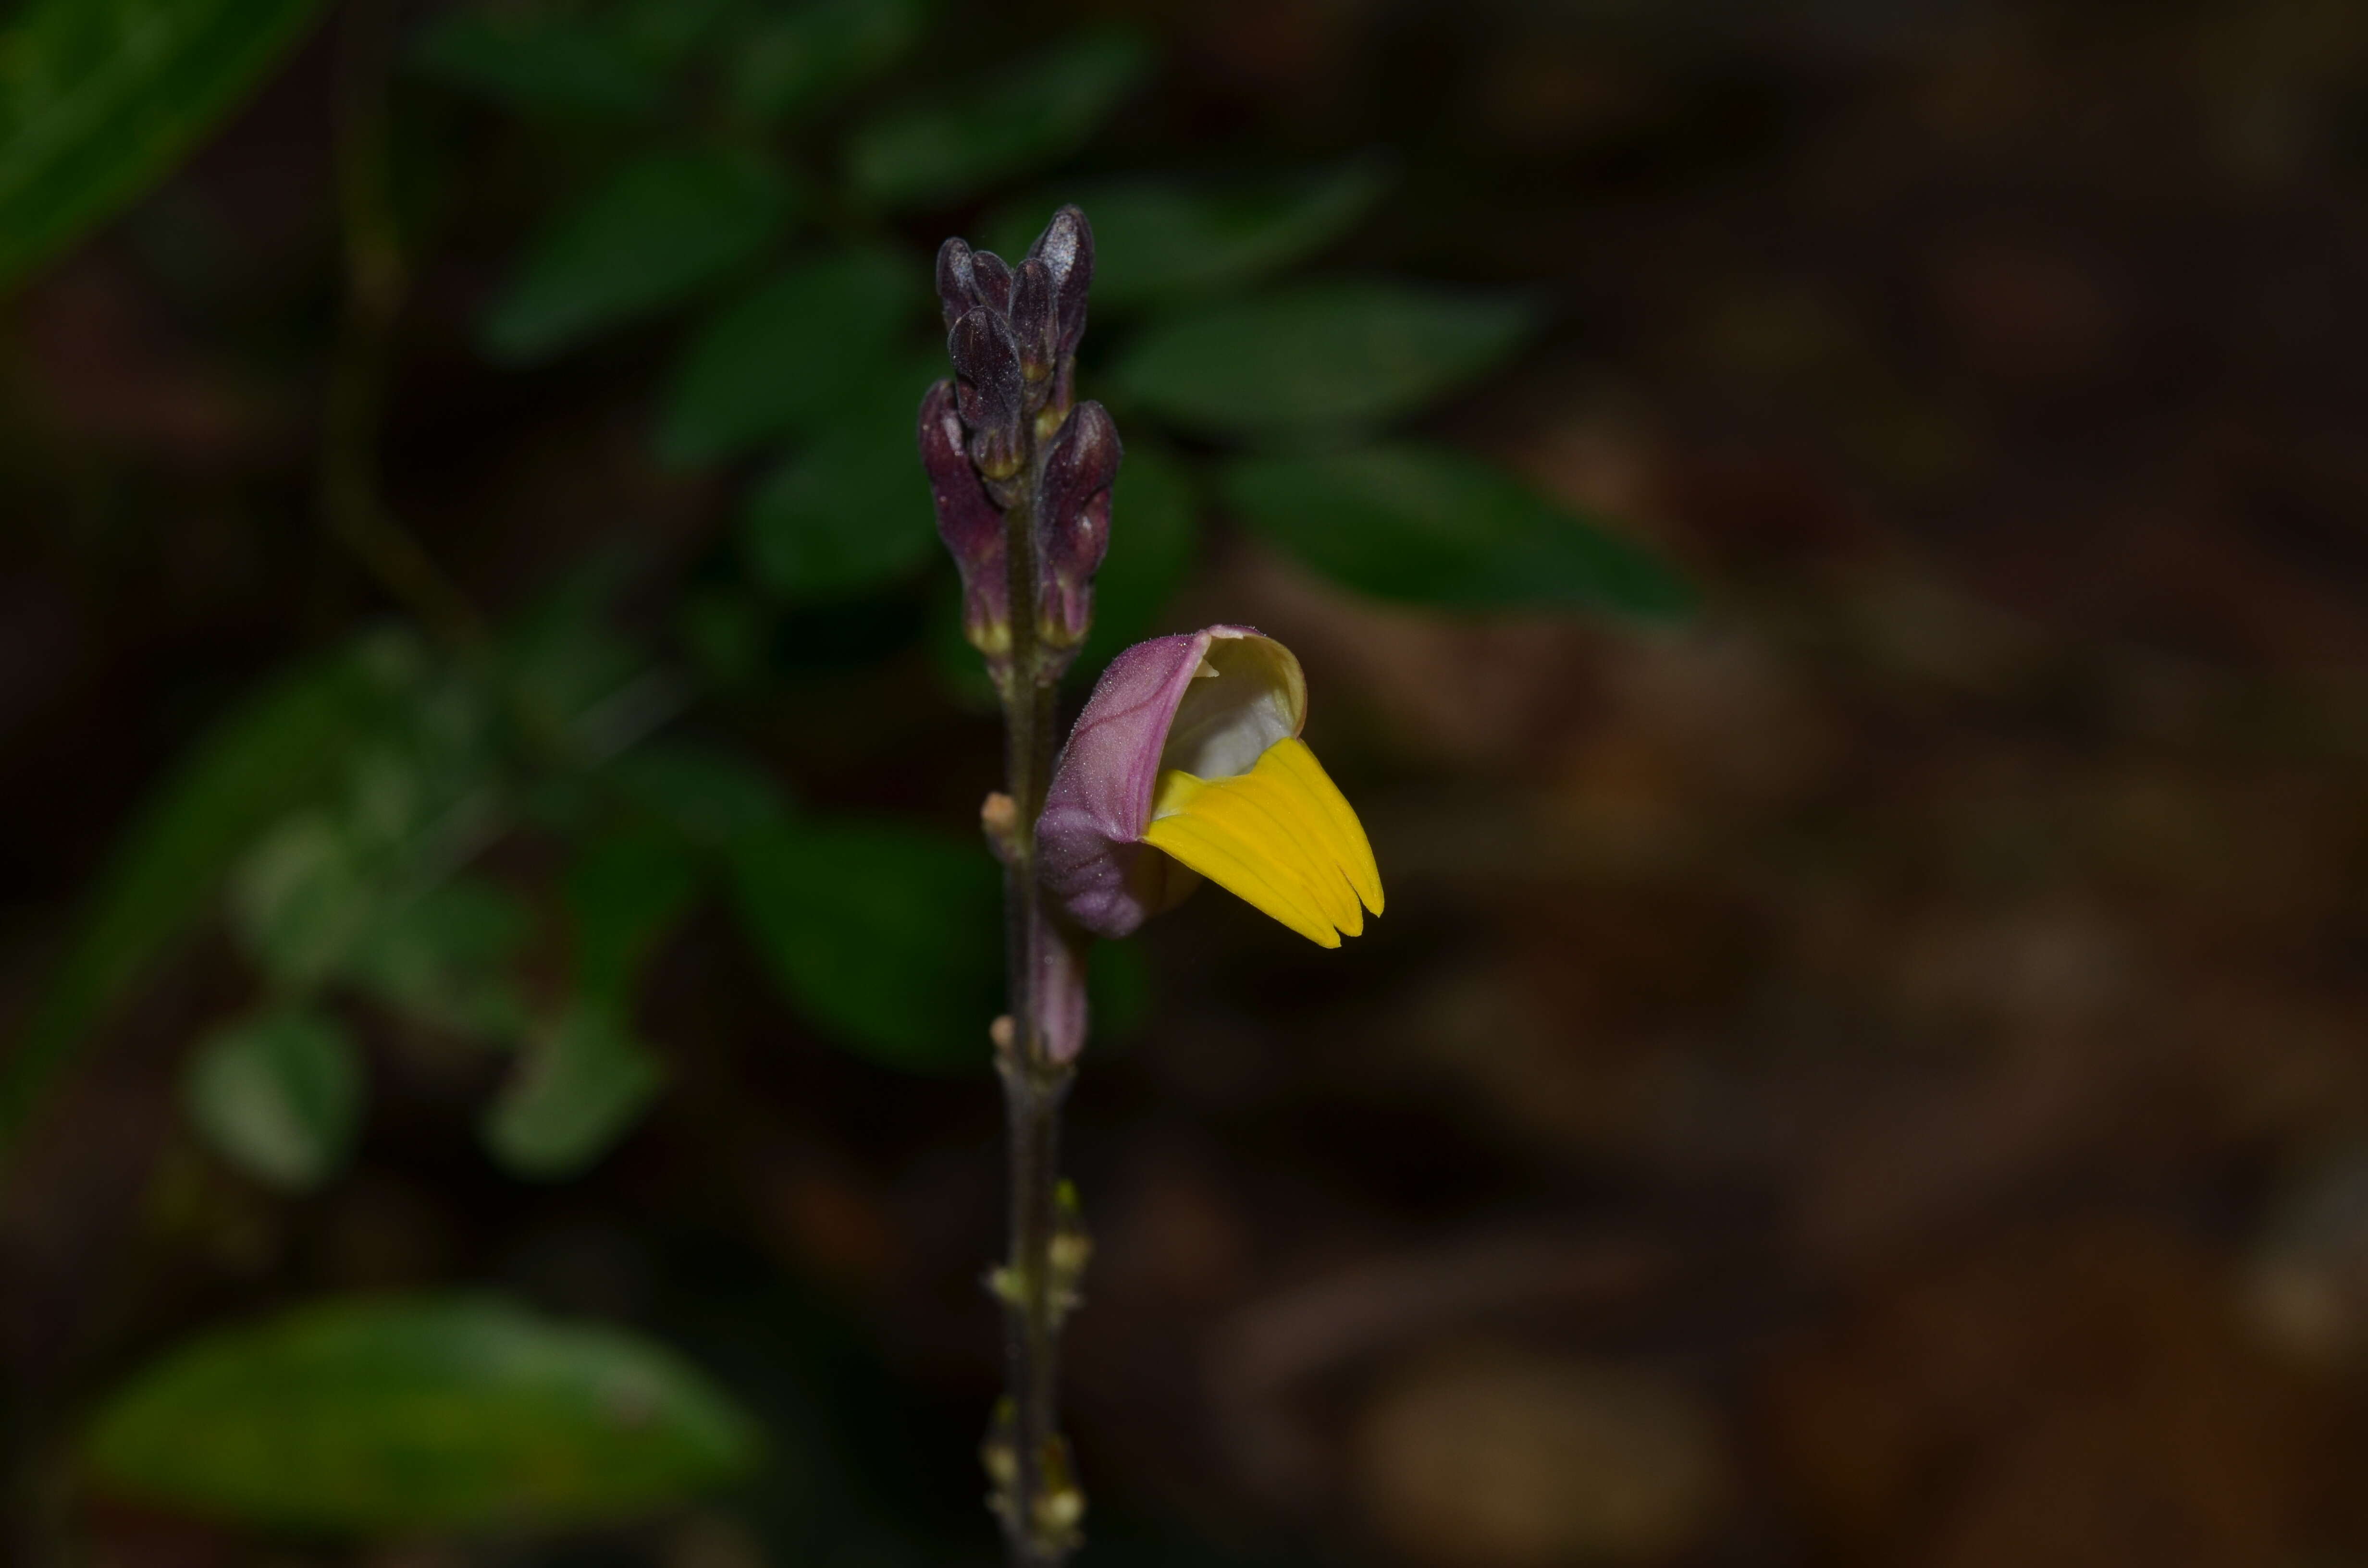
x=1157, y=707
x=993, y=275
x=967, y=280
x=989, y=394
x=970, y=524
x=1067, y=249
x=1072, y=524
x=1034, y=325
x=957, y=280
x=1060, y=990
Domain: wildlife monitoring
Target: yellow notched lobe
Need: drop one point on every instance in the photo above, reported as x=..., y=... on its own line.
x=1279, y=837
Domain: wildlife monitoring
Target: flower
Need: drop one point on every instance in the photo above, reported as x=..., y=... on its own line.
x=1187, y=763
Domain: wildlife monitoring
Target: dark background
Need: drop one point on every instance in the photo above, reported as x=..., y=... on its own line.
x=1875, y=1072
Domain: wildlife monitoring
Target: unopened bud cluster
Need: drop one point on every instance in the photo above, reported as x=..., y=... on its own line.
x=1006, y=445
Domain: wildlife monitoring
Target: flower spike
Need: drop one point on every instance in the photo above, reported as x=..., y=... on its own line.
x=1187, y=763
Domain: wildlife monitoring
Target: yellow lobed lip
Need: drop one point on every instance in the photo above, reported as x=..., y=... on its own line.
x=1280, y=837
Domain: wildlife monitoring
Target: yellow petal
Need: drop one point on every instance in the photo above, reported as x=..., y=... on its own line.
x=1345, y=836
x=1257, y=810
x=1280, y=836
x=1241, y=866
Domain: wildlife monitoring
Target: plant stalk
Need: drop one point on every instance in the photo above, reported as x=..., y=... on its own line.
x=1036, y=1492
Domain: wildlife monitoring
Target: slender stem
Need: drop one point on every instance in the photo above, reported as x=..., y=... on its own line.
x=1040, y=1501
x=375, y=285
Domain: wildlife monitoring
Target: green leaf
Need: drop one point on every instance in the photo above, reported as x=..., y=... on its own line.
x=100, y=97
x=538, y=61
x=937, y=150
x=564, y=663
x=279, y=1096
x=624, y=893
x=708, y=795
x=1158, y=240
x=889, y=939
x=419, y=1416
x=1319, y=357
x=580, y=1086
x=350, y=891
x=784, y=357
x=667, y=32
x=1154, y=538
x=1426, y=526
x=442, y=956
x=662, y=227
x=851, y=512
x=302, y=898
x=286, y=748
x=725, y=633
x=802, y=61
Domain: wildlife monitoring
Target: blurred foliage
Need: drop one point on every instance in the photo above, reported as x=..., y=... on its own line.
x=781, y=359
x=579, y=1085
x=844, y=513
x=278, y=1095
x=1159, y=240
x=942, y=147
x=1320, y=358
x=662, y=227
x=401, y=1416
x=1424, y=525
x=890, y=937
x=274, y=755
x=794, y=59
x=98, y=98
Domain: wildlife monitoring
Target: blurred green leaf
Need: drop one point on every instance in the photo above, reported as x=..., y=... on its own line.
x=419, y=1416
x=803, y=59
x=889, y=937
x=579, y=1087
x=349, y=890
x=1156, y=240
x=665, y=32
x=624, y=891
x=950, y=145
x=558, y=58
x=441, y=957
x=302, y=898
x=1154, y=537
x=1426, y=526
x=287, y=747
x=725, y=633
x=662, y=227
x=1319, y=357
x=279, y=1096
x=784, y=357
x=708, y=795
x=850, y=511
x=538, y=61
x=99, y=97
x=580, y=686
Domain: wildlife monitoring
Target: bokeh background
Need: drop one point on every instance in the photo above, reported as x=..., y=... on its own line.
x=1830, y=542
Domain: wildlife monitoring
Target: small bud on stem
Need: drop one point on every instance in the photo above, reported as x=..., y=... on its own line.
x=971, y=526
